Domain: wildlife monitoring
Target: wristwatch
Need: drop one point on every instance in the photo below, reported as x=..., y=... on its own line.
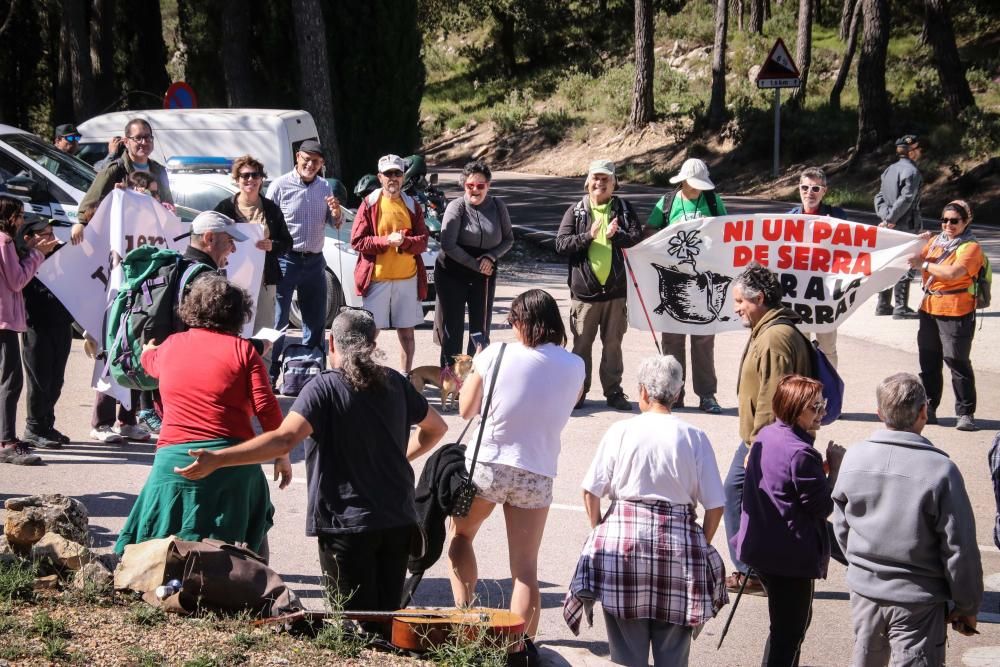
x=925, y=265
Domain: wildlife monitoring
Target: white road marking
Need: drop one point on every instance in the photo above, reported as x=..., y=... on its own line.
x=982, y=656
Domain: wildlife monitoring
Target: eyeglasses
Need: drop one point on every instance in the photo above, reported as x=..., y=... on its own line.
x=72, y=138
x=819, y=406
x=344, y=309
x=476, y=186
x=951, y=221
x=306, y=160
x=248, y=175
x=393, y=173
x=811, y=188
x=142, y=138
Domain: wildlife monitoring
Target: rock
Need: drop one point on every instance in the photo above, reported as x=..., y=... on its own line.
x=5, y=549
x=60, y=552
x=46, y=583
x=24, y=528
x=63, y=515
x=481, y=152
x=752, y=74
x=93, y=576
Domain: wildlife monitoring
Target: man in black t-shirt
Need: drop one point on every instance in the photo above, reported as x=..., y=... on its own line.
x=357, y=419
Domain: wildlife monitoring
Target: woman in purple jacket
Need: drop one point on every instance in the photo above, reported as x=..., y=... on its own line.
x=786, y=500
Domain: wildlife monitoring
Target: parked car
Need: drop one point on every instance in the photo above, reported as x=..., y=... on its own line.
x=200, y=188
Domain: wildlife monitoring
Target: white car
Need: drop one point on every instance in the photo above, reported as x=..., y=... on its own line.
x=203, y=190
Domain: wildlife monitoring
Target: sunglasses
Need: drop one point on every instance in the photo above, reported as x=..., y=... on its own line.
x=811, y=188
x=392, y=173
x=142, y=138
x=819, y=406
x=476, y=186
x=248, y=175
x=72, y=138
x=951, y=221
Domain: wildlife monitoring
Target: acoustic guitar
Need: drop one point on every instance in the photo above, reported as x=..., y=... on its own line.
x=422, y=629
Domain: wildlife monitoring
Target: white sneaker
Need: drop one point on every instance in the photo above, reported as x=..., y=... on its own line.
x=105, y=434
x=133, y=432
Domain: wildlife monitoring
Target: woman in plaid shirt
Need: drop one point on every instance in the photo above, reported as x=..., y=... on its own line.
x=648, y=562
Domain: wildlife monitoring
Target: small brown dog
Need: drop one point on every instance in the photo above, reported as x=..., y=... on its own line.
x=449, y=380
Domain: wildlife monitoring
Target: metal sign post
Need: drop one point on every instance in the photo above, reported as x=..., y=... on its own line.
x=777, y=72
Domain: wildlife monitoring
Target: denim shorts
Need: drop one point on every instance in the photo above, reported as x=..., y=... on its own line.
x=506, y=485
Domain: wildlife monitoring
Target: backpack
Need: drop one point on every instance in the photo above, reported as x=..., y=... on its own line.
x=711, y=199
x=826, y=374
x=299, y=364
x=145, y=309
x=982, y=284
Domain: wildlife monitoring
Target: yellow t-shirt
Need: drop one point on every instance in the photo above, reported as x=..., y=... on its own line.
x=392, y=265
x=969, y=255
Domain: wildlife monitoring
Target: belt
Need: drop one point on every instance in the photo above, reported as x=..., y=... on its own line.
x=302, y=253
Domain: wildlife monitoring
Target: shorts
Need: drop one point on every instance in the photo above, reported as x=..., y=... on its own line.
x=507, y=485
x=394, y=304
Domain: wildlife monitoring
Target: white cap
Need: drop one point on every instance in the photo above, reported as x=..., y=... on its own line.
x=695, y=173
x=390, y=162
x=213, y=221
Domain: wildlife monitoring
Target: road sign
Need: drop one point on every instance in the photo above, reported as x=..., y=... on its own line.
x=180, y=95
x=778, y=70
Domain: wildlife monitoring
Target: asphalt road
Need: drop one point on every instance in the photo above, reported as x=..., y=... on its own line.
x=107, y=478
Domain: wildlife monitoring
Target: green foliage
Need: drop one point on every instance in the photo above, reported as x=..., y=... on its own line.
x=513, y=113
x=849, y=198
x=203, y=660
x=143, y=657
x=336, y=636
x=470, y=645
x=693, y=24
x=981, y=135
x=554, y=125
x=55, y=649
x=146, y=615
x=17, y=581
x=45, y=626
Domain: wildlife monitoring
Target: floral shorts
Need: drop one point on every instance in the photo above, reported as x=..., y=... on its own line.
x=502, y=484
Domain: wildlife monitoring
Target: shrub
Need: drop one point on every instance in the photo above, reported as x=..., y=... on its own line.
x=981, y=138
x=146, y=615
x=510, y=115
x=17, y=581
x=554, y=125
x=574, y=89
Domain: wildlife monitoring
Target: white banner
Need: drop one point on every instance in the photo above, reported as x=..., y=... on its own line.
x=85, y=277
x=828, y=267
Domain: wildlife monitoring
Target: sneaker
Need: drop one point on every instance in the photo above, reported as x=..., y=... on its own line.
x=133, y=432
x=38, y=440
x=966, y=423
x=105, y=434
x=150, y=420
x=903, y=313
x=753, y=587
x=619, y=401
x=710, y=405
x=58, y=436
x=17, y=453
x=932, y=416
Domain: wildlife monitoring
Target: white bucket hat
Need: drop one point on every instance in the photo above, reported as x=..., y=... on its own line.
x=695, y=173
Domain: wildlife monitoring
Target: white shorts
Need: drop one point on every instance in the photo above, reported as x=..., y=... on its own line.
x=395, y=304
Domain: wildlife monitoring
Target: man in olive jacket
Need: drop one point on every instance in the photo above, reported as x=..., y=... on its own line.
x=592, y=234
x=775, y=349
x=903, y=518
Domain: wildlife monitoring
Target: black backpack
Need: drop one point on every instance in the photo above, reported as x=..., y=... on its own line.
x=711, y=199
x=299, y=364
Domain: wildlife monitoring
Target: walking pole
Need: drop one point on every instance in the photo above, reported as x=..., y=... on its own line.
x=736, y=603
x=642, y=302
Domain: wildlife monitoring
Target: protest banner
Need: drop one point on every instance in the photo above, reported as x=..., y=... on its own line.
x=85, y=277
x=827, y=267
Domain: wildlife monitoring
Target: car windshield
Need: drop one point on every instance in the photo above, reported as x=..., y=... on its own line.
x=76, y=172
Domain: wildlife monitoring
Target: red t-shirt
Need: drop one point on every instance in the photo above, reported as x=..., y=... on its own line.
x=211, y=384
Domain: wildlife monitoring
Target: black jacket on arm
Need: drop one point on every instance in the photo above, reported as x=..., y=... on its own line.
x=573, y=239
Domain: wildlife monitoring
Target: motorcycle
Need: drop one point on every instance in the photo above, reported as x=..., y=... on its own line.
x=416, y=184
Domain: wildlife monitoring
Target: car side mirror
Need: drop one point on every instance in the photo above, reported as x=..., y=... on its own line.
x=26, y=187
x=434, y=179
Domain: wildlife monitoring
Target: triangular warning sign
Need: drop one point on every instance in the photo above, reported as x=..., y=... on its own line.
x=779, y=64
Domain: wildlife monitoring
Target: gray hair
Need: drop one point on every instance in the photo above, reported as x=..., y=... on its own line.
x=354, y=333
x=757, y=280
x=663, y=378
x=815, y=174
x=900, y=398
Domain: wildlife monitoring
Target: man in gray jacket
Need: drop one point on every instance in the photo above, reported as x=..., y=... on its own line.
x=904, y=521
x=898, y=207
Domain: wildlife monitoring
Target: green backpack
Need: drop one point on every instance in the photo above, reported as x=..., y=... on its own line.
x=982, y=282
x=145, y=309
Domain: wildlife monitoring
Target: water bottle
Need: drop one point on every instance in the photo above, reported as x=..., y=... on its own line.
x=171, y=587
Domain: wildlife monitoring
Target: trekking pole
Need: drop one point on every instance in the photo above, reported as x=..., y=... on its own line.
x=642, y=302
x=736, y=603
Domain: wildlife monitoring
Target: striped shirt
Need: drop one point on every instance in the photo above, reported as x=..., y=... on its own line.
x=304, y=207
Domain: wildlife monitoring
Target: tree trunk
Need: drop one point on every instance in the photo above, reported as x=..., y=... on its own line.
x=845, y=65
x=642, y=88
x=873, y=100
x=236, y=68
x=757, y=16
x=314, y=76
x=505, y=37
x=76, y=43
x=951, y=71
x=847, y=17
x=717, y=104
x=139, y=41
x=738, y=10
x=62, y=82
x=8, y=20
x=767, y=9
x=102, y=53
x=803, y=52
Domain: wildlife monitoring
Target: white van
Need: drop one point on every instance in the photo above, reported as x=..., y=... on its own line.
x=270, y=135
